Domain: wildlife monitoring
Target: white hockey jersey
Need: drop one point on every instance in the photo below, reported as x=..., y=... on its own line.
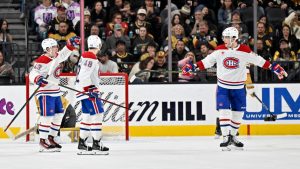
x=44, y=15
x=41, y=68
x=231, y=65
x=73, y=11
x=88, y=73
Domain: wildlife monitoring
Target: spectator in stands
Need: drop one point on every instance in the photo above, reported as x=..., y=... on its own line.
x=116, y=8
x=176, y=19
x=203, y=52
x=98, y=14
x=236, y=19
x=87, y=24
x=203, y=34
x=293, y=42
x=122, y=57
x=198, y=15
x=179, y=52
x=117, y=35
x=188, y=58
x=160, y=66
x=6, y=69
x=243, y=36
x=153, y=17
x=185, y=19
x=177, y=34
x=264, y=19
x=62, y=34
x=140, y=73
x=293, y=20
x=73, y=10
x=5, y=36
x=61, y=17
x=262, y=50
x=225, y=14
x=209, y=16
x=141, y=21
x=106, y=65
x=127, y=14
x=261, y=33
x=43, y=15
x=150, y=50
x=141, y=41
x=283, y=4
x=116, y=19
x=286, y=54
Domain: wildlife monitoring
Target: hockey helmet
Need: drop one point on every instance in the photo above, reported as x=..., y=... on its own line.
x=48, y=43
x=94, y=41
x=230, y=32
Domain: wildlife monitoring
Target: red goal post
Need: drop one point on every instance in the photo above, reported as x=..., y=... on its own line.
x=113, y=88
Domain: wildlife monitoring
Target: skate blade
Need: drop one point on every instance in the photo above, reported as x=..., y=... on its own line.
x=57, y=149
x=83, y=152
x=237, y=148
x=43, y=150
x=97, y=152
x=217, y=136
x=225, y=148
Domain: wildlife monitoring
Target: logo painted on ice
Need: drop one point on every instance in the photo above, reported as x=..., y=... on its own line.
x=231, y=63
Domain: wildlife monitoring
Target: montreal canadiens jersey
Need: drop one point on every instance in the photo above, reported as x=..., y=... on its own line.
x=87, y=74
x=42, y=66
x=231, y=65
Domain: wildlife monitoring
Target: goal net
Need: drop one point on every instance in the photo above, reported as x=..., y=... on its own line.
x=113, y=88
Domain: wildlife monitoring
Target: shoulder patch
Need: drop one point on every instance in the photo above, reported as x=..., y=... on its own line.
x=244, y=48
x=43, y=59
x=89, y=55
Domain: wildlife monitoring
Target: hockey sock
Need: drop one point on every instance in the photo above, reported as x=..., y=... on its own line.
x=96, y=126
x=44, y=126
x=236, y=119
x=85, y=125
x=225, y=118
x=55, y=124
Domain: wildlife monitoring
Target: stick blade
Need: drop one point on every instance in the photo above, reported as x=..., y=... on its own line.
x=282, y=115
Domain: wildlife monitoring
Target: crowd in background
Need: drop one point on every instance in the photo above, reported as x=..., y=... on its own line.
x=135, y=32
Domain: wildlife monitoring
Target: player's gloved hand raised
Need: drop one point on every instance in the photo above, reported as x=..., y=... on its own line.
x=188, y=69
x=74, y=42
x=93, y=91
x=278, y=70
x=41, y=81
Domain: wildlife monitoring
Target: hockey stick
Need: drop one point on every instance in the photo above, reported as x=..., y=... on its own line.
x=75, y=90
x=271, y=117
x=30, y=130
x=27, y=101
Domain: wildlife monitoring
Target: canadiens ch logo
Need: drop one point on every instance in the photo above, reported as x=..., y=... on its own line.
x=231, y=63
x=57, y=72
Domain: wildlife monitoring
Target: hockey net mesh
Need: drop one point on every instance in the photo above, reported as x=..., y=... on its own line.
x=114, y=88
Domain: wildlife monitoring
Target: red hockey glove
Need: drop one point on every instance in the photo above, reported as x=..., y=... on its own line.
x=93, y=91
x=74, y=42
x=278, y=70
x=41, y=81
x=188, y=69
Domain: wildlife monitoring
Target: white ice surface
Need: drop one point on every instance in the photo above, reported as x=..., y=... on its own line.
x=260, y=152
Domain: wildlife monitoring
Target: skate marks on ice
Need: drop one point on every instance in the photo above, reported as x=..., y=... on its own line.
x=266, y=152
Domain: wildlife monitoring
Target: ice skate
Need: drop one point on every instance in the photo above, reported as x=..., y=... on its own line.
x=54, y=143
x=236, y=143
x=218, y=134
x=99, y=149
x=45, y=147
x=226, y=143
x=83, y=148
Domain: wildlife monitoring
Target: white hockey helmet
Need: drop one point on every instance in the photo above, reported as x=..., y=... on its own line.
x=230, y=32
x=94, y=41
x=48, y=43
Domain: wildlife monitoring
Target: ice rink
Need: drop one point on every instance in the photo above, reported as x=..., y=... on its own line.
x=260, y=152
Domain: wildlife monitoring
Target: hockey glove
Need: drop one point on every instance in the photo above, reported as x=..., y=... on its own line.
x=74, y=42
x=41, y=81
x=188, y=69
x=92, y=91
x=278, y=70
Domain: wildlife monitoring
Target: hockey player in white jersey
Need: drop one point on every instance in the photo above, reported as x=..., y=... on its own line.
x=231, y=59
x=88, y=81
x=48, y=95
